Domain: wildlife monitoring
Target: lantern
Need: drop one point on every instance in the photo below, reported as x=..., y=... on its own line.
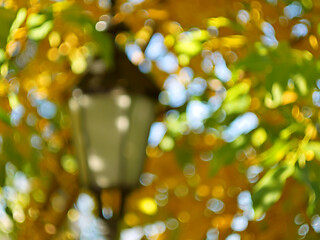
x=111, y=116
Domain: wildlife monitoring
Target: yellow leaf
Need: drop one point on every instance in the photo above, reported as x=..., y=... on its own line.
x=259, y=136
x=234, y=41
x=289, y=97
x=219, y=22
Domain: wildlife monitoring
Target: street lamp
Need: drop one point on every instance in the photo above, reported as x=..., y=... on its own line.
x=111, y=112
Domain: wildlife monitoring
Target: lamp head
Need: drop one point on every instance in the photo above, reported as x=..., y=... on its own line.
x=112, y=112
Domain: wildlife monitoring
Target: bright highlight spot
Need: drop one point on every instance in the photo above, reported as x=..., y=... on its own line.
x=148, y=206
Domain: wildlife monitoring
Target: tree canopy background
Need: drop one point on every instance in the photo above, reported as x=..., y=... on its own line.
x=234, y=153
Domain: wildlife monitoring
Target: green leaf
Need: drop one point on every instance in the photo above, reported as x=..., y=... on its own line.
x=12, y=154
x=238, y=105
x=184, y=155
x=2, y=56
x=277, y=152
x=35, y=20
x=292, y=128
x=315, y=147
x=105, y=44
x=200, y=35
x=238, y=100
x=175, y=234
x=4, y=117
x=9, y=211
x=225, y=155
x=301, y=84
x=269, y=189
x=308, y=4
x=188, y=47
x=167, y=143
x=258, y=137
x=219, y=22
x=236, y=91
x=40, y=32
x=6, y=19
x=2, y=172
x=279, y=75
x=254, y=62
x=20, y=17
x=310, y=176
x=310, y=71
x=73, y=14
x=40, y=24
x=274, y=98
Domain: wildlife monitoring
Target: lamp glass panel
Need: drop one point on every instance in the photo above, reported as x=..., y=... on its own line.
x=99, y=121
x=110, y=135
x=141, y=117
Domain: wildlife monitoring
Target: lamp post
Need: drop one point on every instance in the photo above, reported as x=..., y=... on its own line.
x=111, y=113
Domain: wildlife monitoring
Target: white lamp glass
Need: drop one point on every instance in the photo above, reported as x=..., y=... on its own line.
x=110, y=132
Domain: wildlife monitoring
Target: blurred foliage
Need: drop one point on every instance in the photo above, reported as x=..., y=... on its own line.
x=236, y=149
